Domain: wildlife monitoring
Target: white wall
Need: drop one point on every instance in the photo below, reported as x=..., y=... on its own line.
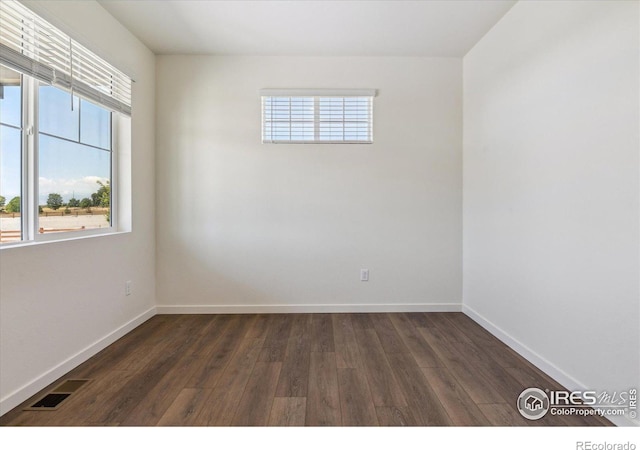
x=551, y=140
x=62, y=302
x=246, y=226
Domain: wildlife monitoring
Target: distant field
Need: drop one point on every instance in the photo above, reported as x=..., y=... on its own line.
x=47, y=220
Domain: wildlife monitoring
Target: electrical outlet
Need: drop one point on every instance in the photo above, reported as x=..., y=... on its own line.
x=364, y=274
x=127, y=287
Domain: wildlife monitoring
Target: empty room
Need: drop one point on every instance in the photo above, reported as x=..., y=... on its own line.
x=320, y=213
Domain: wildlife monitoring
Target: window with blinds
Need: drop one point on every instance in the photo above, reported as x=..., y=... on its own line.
x=65, y=132
x=34, y=47
x=317, y=116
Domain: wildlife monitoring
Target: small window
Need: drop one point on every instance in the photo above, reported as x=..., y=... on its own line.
x=317, y=116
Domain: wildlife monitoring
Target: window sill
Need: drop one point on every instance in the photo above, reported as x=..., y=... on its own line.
x=316, y=142
x=75, y=237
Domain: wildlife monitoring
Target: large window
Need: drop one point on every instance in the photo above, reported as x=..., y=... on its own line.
x=74, y=163
x=61, y=111
x=317, y=116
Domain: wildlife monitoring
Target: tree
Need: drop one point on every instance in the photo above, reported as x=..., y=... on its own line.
x=14, y=205
x=54, y=201
x=95, y=199
x=2, y=201
x=104, y=195
x=74, y=203
x=85, y=203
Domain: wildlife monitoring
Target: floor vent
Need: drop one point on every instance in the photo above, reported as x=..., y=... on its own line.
x=54, y=399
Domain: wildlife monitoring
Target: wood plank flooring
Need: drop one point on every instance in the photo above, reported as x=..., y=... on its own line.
x=410, y=369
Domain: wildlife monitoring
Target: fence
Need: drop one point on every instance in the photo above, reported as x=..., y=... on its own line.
x=15, y=235
x=10, y=235
x=56, y=230
x=93, y=211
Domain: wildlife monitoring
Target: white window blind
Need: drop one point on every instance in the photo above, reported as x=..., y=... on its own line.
x=34, y=47
x=317, y=116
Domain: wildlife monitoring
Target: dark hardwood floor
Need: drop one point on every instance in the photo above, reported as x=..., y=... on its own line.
x=302, y=369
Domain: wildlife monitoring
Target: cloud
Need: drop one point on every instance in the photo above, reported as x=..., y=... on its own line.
x=68, y=188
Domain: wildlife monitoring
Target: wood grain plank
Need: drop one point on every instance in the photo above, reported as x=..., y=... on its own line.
x=159, y=343
x=33, y=419
x=275, y=344
x=288, y=411
x=466, y=330
x=346, y=345
x=421, y=399
x=222, y=348
x=259, y=327
x=209, y=331
x=391, y=416
x=257, y=400
x=384, y=387
x=481, y=360
x=323, y=400
x=139, y=386
x=527, y=373
x=294, y=376
x=439, y=321
x=322, y=333
x=506, y=356
x=185, y=408
x=496, y=376
x=459, y=406
x=389, y=337
x=476, y=386
x=496, y=349
x=111, y=358
x=417, y=345
x=152, y=407
x=140, y=357
x=220, y=406
x=500, y=414
x=361, y=321
x=418, y=319
x=122, y=401
x=470, y=329
x=355, y=399
x=300, y=325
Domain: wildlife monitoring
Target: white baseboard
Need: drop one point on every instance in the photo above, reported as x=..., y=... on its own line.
x=537, y=360
x=32, y=387
x=316, y=308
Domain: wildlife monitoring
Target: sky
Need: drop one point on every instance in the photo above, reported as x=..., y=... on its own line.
x=74, y=145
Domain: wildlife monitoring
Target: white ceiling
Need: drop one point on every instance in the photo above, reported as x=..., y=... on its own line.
x=309, y=27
